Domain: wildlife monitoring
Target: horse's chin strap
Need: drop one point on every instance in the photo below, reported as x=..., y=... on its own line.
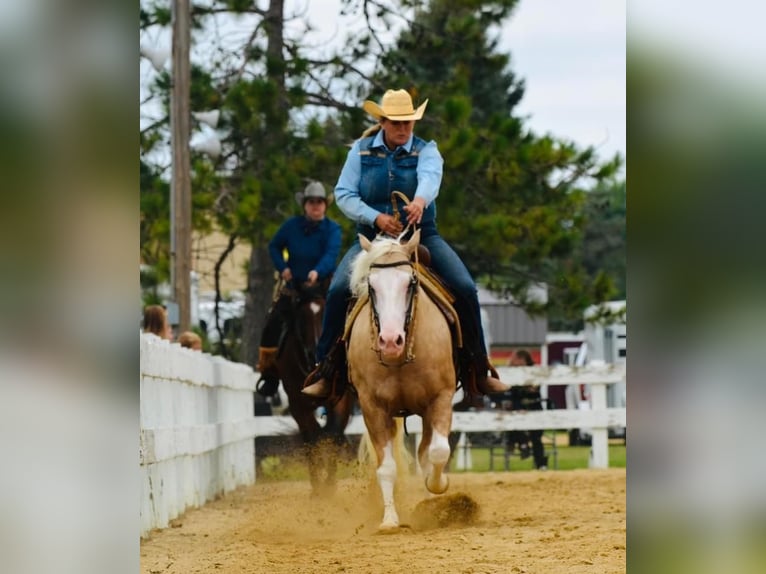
x=409, y=317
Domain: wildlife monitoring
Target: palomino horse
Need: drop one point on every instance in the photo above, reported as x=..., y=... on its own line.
x=400, y=362
x=323, y=444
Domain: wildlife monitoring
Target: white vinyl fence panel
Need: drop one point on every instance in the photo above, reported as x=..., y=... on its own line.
x=197, y=429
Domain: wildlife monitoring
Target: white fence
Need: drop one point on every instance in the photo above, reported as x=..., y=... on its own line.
x=197, y=423
x=598, y=418
x=197, y=429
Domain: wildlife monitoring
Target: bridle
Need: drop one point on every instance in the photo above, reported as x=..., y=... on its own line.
x=409, y=317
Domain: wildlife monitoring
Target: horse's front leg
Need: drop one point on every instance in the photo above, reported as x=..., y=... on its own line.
x=337, y=421
x=434, y=450
x=381, y=430
x=310, y=434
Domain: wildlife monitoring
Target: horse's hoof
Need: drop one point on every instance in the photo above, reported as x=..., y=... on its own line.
x=388, y=528
x=438, y=489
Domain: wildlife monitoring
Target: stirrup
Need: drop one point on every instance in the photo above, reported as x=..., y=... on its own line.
x=267, y=387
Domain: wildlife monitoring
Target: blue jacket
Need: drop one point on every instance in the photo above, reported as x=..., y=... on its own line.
x=310, y=245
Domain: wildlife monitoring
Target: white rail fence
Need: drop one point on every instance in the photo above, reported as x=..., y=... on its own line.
x=197, y=429
x=197, y=423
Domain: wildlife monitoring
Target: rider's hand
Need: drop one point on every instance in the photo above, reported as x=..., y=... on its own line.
x=287, y=275
x=387, y=224
x=415, y=210
x=312, y=277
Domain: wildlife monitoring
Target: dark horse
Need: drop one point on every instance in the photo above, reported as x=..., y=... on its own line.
x=323, y=442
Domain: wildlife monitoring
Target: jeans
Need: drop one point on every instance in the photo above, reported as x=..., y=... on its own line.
x=444, y=261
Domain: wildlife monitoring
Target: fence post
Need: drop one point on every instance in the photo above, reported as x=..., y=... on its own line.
x=599, y=450
x=464, y=459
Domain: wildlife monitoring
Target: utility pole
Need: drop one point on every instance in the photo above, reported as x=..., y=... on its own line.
x=180, y=202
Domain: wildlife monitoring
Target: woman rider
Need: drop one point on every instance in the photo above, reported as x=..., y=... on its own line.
x=389, y=157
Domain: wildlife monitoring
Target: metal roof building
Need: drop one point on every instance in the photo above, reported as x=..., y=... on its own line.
x=509, y=325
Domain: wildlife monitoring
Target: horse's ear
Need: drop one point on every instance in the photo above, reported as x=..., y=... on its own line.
x=364, y=242
x=412, y=244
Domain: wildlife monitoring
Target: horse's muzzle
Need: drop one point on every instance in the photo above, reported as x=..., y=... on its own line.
x=391, y=345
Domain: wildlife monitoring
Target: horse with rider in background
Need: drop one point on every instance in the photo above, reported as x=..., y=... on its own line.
x=323, y=437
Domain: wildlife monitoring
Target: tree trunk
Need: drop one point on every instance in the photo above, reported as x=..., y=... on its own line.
x=260, y=284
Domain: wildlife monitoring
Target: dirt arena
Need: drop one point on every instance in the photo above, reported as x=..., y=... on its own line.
x=507, y=522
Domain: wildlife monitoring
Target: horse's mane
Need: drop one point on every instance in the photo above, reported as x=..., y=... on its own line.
x=360, y=267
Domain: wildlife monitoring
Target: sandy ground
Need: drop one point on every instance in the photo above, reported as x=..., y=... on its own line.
x=521, y=522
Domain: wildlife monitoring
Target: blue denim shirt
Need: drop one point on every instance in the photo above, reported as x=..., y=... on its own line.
x=372, y=172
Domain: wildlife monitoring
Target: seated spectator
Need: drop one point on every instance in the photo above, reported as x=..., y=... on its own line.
x=156, y=322
x=190, y=340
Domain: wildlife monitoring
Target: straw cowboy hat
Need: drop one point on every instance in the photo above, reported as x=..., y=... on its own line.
x=313, y=189
x=396, y=105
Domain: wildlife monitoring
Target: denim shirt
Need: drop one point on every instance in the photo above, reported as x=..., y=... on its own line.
x=372, y=172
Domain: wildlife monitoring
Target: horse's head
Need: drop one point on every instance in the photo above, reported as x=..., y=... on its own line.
x=384, y=270
x=305, y=323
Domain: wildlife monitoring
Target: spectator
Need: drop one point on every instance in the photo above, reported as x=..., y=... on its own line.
x=527, y=398
x=190, y=340
x=156, y=322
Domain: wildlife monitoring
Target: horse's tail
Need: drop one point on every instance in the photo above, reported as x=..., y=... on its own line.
x=368, y=459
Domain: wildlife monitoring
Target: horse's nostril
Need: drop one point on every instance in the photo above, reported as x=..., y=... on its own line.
x=384, y=342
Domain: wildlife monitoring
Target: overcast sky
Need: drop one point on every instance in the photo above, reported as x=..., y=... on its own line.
x=572, y=57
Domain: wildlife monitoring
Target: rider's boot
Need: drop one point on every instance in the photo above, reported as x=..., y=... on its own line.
x=268, y=384
x=316, y=384
x=491, y=383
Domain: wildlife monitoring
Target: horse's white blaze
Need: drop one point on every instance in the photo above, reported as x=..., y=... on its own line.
x=387, y=479
x=316, y=308
x=390, y=286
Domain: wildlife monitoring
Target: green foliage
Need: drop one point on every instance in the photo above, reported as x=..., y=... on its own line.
x=604, y=243
x=155, y=221
x=155, y=14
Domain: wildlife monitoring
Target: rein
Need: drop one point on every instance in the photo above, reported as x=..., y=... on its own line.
x=299, y=298
x=395, y=211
